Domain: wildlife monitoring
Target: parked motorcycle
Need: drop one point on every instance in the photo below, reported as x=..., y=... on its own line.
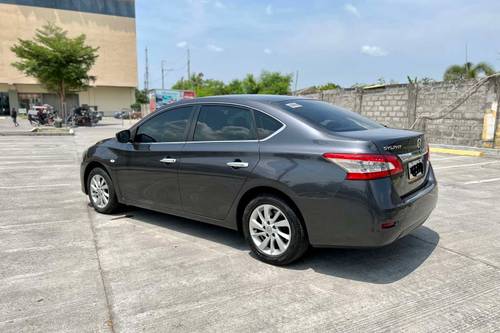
x=42, y=115
x=84, y=115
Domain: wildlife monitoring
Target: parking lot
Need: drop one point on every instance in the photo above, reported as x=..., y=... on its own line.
x=65, y=268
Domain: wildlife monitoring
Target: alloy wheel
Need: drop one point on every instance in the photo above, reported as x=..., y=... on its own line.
x=270, y=230
x=99, y=191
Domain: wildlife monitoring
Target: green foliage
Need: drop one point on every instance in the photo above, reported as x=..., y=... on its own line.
x=467, y=71
x=136, y=106
x=141, y=97
x=250, y=85
x=327, y=86
x=235, y=87
x=60, y=63
x=273, y=83
x=182, y=85
x=210, y=88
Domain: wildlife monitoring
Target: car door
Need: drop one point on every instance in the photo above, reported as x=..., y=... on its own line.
x=217, y=161
x=150, y=177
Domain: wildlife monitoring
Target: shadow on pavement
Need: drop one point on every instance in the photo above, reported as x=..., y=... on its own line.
x=380, y=266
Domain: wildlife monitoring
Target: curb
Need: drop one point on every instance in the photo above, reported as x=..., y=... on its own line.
x=35, y=134
x=460, y=152
x=465, y=150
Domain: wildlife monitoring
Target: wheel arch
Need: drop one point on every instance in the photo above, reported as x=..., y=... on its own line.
x=254, y=192
x=92, y=165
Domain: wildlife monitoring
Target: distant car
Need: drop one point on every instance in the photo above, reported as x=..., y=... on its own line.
x=287, y=172
x=121, y=115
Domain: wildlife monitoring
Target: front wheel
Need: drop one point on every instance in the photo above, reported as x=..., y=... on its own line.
x=274, y=231
x=102, y=192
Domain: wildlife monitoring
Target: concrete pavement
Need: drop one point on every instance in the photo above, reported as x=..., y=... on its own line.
x=64, y=268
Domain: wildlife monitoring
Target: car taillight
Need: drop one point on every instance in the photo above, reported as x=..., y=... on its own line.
x=366, y=166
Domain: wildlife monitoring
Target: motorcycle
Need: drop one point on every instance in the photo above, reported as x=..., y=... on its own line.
x=43, y=115
x=83, y=115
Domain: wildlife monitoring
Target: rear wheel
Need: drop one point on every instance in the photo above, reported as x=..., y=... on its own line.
x=273, y=230
x=102, y=192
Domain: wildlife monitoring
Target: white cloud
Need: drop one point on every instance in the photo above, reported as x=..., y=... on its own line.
x=268, y=51
x=372, y=50
x=219, y=4
x=182, y=44
x=351, y=9
x=214, y=48
x=269, y=10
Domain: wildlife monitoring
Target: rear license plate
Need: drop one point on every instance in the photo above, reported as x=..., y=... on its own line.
x=415, y=169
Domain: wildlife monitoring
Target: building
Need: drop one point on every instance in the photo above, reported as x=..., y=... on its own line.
x=109, y=24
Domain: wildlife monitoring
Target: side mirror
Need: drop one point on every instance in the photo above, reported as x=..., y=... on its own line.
x=123, y=136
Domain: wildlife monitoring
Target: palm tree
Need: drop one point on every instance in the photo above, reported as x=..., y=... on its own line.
x=467, y=71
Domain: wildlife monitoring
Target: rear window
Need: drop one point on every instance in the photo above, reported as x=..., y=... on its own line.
x=327, y=116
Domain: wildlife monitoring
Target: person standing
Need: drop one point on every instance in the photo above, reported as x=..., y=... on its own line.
x=13, y=114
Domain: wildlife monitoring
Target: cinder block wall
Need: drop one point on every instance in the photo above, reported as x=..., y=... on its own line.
x=399, y=105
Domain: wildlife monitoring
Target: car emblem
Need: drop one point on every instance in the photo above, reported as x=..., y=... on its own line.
x=419, y=143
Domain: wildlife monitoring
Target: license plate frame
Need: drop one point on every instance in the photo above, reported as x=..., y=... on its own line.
x=415, y=169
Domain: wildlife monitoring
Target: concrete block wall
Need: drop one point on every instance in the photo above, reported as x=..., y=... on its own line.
x=398, y=106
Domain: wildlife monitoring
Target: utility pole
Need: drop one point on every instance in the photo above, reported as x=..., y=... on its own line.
x=296, y=82
x=146, y=73
x=189, y=67
x=163, y=71
x=162, y=75
x=466, y=53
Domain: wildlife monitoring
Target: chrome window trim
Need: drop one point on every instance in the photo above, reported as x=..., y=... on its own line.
x=220, y=141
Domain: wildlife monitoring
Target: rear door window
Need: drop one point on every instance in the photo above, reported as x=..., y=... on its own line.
x=327, y=116
x=266, y=125
x=224, y=123
x=169, y=126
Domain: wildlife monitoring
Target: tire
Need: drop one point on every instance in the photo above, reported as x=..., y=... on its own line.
x=268, y=242
x=101, y=192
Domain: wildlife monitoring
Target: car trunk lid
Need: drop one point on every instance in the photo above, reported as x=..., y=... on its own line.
x=409, y=146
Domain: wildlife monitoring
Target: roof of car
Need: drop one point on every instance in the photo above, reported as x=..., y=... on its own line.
x=242, y=98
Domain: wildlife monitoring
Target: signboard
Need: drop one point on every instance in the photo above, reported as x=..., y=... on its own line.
x=188, y=94
x=162, y=97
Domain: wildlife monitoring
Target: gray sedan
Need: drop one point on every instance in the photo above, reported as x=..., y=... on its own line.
x=287, y=172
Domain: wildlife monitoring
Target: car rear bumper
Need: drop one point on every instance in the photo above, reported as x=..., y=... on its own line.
x=358, y=221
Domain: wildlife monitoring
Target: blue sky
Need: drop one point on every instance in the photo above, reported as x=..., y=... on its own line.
x=345, y=42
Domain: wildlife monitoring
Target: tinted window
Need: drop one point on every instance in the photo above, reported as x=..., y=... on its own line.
x=266, y=125
x=221, y=123
x=327, y=116
x=170, y=126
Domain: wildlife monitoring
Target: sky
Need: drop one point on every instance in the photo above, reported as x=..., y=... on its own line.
x=345, y=42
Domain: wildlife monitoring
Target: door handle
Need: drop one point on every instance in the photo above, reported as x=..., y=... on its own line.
x=168, y=160
x=237, y=164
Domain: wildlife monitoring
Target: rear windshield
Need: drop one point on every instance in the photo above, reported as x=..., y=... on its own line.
x=327, y=116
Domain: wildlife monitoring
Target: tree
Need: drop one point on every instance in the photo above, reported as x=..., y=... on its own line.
x=467, y=71
x=328, y=86
x=211, y=88
x=235, y=87
x=267, y=83
x=141, y=97
x=182, y=85
x=61, y=64
x=274, y=83
x=250, y=85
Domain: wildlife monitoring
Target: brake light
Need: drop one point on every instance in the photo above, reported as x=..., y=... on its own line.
x=366, y=166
